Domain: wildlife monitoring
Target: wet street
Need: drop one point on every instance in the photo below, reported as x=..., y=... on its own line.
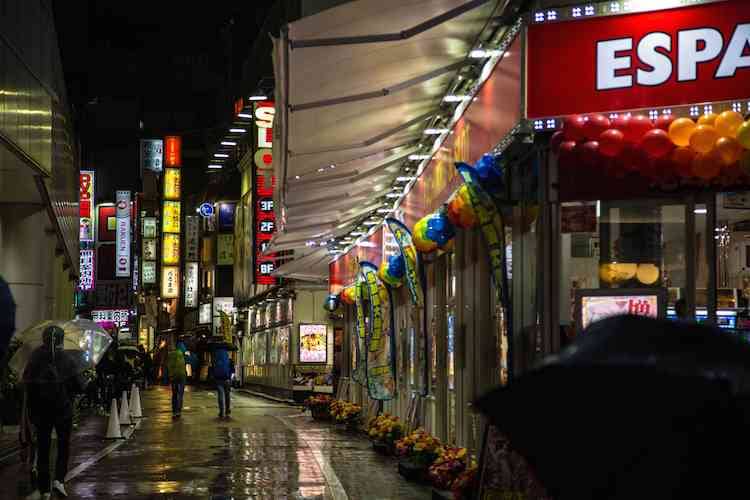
x=266, y=450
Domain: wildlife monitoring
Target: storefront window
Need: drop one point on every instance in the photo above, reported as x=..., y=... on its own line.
x=283, y=342
x=451, y=346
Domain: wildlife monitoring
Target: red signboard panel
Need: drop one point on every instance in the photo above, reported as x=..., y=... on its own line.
x=173, y=151
x=652, y=59
x=106, y=228
x=265, y=181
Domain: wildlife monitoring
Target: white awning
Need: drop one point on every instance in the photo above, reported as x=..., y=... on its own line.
x=311, y=266
x=356, y=85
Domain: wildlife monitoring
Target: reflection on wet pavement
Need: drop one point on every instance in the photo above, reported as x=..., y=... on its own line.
x=265, y=450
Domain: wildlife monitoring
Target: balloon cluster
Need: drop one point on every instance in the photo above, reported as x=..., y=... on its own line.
x=460, y=211
x=434, y=231
x=392, y=270
x=331, y=303
x=666, y=148
x=490, y=174
x=349, y=294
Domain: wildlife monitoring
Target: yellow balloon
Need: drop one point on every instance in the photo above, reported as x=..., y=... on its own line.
x=743, y=135
x=680, y=131
x=703, y=138
x=728, y=122
x=708, y=119
x=728, y=149
x=648, y=274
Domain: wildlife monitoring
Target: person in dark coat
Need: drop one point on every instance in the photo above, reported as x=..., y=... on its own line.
x=52, y=379
x=222, y=370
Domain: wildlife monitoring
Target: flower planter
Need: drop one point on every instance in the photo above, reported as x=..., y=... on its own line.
x=412, y=471
x=320, y=413
x=383, y=448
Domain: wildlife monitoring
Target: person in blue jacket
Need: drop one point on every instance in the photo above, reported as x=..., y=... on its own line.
x=222, y=374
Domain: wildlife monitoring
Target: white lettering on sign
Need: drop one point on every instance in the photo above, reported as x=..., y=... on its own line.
x=655, y=55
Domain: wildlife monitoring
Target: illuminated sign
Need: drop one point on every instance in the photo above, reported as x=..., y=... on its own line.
x=594, y=308
x=225, y=249
x=170, y=282
x=204, y=314
x=652, y=59
x=172, y=151
x=148, y=272
x=172, y=183
x=313, y=343
x=170, y=249
x=191, y=284
x=265, y=225
x=149, y=227
x=86, y=205
x=192, y=244
x=206, y=209
x=122, y=255
x=151, y=154
x=87, y=269
x=171, y=217
x=149, y=249
x=136, y=273
x=110, y=318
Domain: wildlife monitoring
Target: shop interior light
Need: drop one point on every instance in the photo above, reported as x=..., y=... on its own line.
x=258, y=97
x=214, y=166
x=237, y=130
x=700, y=211
x=435, y=131
x=221, y=155
x=244, y=115
x=228, y=143
x=456, y=98
x=419, y=157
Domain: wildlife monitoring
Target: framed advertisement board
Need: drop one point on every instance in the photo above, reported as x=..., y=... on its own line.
x=313, y=343
x=594, y=305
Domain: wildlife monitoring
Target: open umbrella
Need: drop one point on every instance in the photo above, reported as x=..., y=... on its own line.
x=83, y=341
x=636, y=408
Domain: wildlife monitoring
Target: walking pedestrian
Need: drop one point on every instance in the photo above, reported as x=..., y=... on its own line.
x=222, y=373
x=177, y=377
x=52, y=380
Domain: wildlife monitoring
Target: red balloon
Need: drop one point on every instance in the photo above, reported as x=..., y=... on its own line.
x=611, y=142
x=573, y=127
x=621, y=123
x=590, y=154
x=555, y=141
x=637, y=128
x=595, y=125
x=567, y=153
x=656, y=143
x=664, y=121
x=633, y=158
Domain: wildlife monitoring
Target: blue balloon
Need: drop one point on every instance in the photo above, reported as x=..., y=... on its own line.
x=396, y=267
x=439, y=229
x=490, y=174
x=331, y=303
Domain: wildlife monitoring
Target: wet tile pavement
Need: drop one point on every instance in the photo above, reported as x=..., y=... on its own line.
x=266, y=450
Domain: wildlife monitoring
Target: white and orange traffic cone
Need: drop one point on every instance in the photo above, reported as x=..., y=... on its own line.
x=124, y=410
x=135, y=402
x=113, y=423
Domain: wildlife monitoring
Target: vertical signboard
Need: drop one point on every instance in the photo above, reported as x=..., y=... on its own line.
x=173, y=151
x=170, y=272
x=170, y=249
x=224, y=249
x=122, y=214
x=151, y=155
x=170, y=282
x=86, y=206
x=191, y=284
x=191, y=238
x=263, y=185
x=148, y=272
x=171, y=217
x=172, y=183
x=87, y=268
x=149, y=227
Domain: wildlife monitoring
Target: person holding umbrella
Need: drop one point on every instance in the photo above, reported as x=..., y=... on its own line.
x=177, y=376
x=52, y=379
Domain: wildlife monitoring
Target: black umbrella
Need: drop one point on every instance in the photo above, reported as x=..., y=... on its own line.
x=7, y=316
x=619, y=416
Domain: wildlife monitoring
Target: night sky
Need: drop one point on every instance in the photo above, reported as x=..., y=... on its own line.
x=146, y=69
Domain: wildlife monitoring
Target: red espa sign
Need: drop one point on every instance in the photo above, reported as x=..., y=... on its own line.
x=173, y=151
x=664, y=58
x=265, y=182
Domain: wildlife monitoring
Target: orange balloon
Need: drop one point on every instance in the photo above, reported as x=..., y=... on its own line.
x=708, y=119
x=680, y=131
x=703, y=139
x=683, y=161
x=728, y=149
x=728, y=122
x=706, y=166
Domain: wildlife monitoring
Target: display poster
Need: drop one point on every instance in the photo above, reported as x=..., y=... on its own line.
x=222, y=304
x=224, y=249
x=578, y=218
x=152, y=151
x=173, y=151
x=86, y=206
x=170, y=249
x=313, y=346
x=172, y=183
x=170, y=282
x=149, y=249
x=171, y=217
x=110, y=318
x=226, y=216
x=87, y=268
x=149, y=227
x=204, y=314
x=191, y=284
x=148, y=272
x=594, y=308
x=192, y=235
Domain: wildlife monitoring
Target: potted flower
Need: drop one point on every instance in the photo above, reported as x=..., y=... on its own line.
x=319, y=406
x=448, y=466
x=384, y=430
x=417, y=451
x=347, y=413
x=466, y=483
